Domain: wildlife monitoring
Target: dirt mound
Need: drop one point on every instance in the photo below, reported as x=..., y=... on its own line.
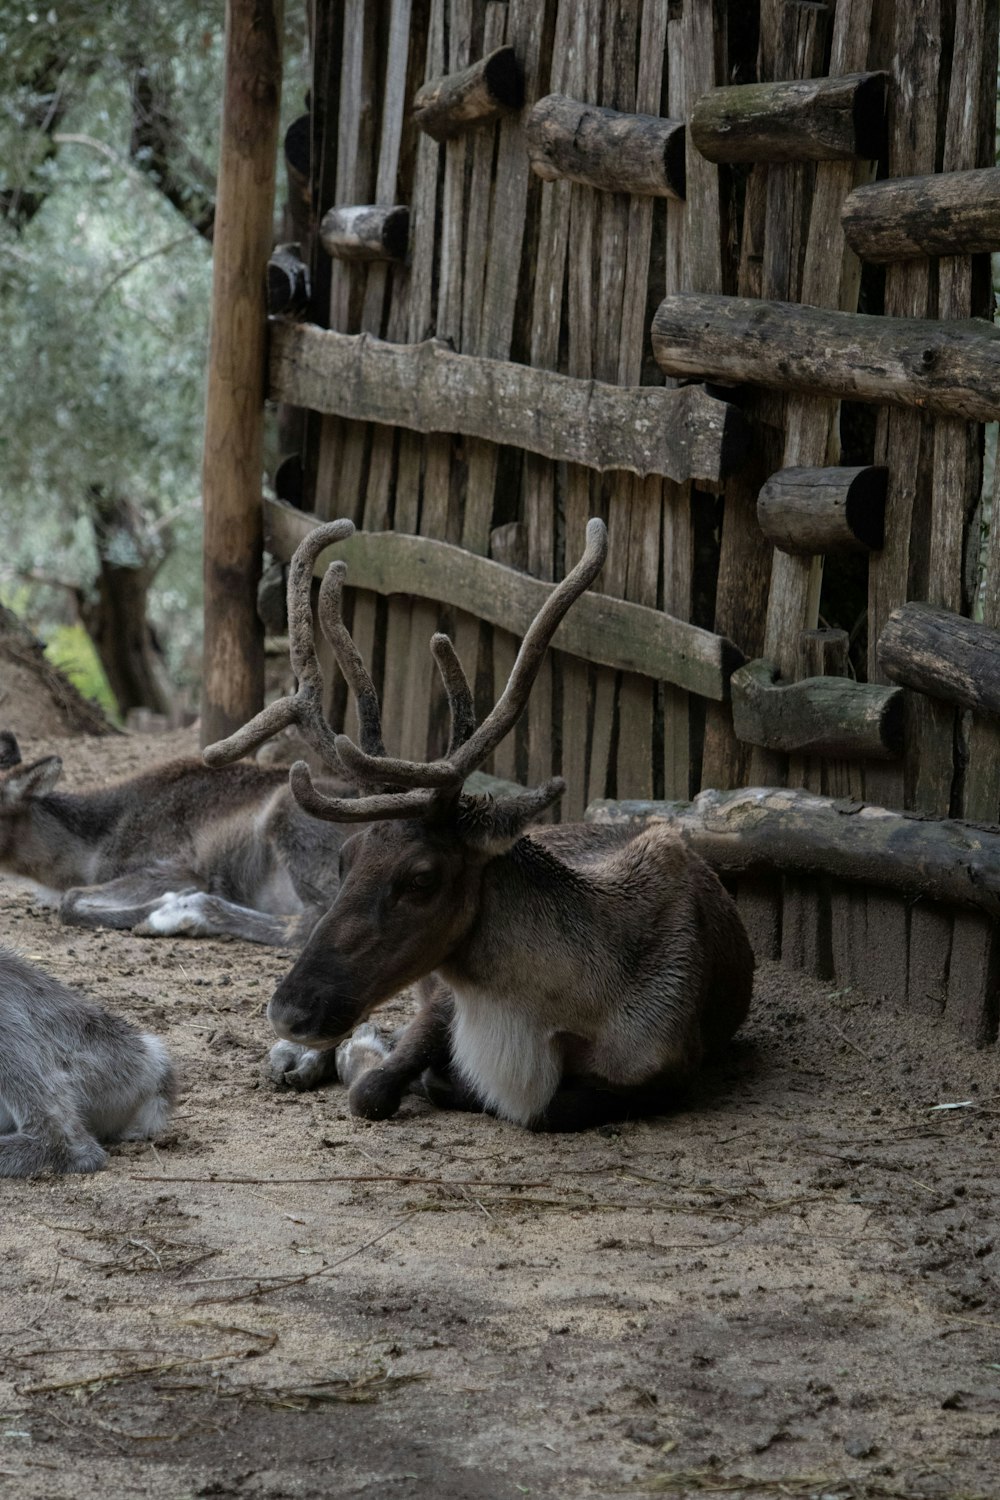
x=36, y=699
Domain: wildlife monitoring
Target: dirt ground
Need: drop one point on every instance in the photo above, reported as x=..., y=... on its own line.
x=790, y=1287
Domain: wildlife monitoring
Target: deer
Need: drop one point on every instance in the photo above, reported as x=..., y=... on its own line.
x=181, y=849
x=569, y=973
x=73, y=1077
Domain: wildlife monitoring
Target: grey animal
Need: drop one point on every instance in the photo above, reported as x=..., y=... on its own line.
x=71, y=1077
x=182, y=849
x=570, y=974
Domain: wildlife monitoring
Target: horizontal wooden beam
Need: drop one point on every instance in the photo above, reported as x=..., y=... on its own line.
x=943, y=655
x=684, y=434
x=817, y=716
x=807, y=512
x=369, y=231
x=613, y=633
x=602, y=148
x=810, y=119
x=901, y=218
x=768, y=828
x=949, y=368
x=445, y=107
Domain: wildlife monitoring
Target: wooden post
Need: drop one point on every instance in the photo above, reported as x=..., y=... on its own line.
x=233, y=686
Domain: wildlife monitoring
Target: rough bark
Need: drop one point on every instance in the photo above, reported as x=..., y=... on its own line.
x=813, y=119
x=366, y=232
x=684, y=434
x=817, y=716
x=942, y=654
x=946, y=368
x=901, y=218
x=768, y=828
x=445, y=107
x=809, y=511
x=603, y=148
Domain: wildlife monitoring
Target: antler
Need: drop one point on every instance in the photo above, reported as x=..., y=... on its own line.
x=304, y=707
x=423, y=782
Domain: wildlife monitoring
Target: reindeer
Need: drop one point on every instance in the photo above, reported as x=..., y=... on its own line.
x=71, y=1077
x=181, y=848
x=570, y=973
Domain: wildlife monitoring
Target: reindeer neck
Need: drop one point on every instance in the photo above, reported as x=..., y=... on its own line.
x=62, y=836
x=532, y=903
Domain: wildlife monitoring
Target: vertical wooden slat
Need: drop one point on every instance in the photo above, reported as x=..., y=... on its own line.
x=233, y=680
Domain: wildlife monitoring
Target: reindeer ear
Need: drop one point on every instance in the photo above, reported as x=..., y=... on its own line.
x=494, y=827
x=29, y=781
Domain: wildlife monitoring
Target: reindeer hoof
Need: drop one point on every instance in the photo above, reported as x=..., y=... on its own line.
x=364, y=1049
x=301, y=1068
x=375, y=1096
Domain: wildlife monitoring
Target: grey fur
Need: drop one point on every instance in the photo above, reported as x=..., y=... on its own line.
x=73, y=1077
x=180, y=849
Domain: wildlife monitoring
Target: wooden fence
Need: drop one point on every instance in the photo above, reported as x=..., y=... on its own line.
x=529, y=227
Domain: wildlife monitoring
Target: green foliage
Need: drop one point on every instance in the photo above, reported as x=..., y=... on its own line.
x=71, y=650
x=105, y=291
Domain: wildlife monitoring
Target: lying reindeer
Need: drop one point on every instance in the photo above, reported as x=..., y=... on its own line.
x=181, y=849
x=71, y=1076
x=579, y=973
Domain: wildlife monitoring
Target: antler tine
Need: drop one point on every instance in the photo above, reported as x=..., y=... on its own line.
x=369, y=765
x=331, y=618
x=513, y=700
x=371, y=809
x=304, y=707
x=456, y=685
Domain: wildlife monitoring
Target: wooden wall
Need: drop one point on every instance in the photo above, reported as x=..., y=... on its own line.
x=566, y=277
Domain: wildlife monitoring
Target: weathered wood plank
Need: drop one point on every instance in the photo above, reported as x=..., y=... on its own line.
x=812, y=119
x=681, y=433
x=369, y=231
x=612, y=632
x=948, y=368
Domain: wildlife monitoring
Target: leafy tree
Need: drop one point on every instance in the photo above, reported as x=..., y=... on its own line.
x=108, y=122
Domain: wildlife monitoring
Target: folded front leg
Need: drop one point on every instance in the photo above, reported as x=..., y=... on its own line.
x=377, y=1091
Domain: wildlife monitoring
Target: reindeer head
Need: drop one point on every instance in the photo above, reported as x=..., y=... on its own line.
x=19, y=785
x=411, y=879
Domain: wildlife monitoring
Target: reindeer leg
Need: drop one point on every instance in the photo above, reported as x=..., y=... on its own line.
x=376, y=1091
x=125, y=902
x=195, y=913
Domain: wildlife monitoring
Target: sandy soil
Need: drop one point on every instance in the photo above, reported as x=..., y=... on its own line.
x=791, y=1287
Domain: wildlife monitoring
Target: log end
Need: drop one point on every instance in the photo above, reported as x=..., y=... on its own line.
x=504, y=78
x=869, y=116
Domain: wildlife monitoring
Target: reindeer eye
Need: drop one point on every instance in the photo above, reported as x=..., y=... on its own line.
x=422, y=881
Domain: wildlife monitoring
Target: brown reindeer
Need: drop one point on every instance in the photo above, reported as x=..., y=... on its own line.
x=571, y=973
x=181, y=848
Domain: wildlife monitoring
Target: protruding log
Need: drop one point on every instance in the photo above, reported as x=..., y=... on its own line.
x=811, y=511
x=298, y=150
x=290, y=480
x=287, y=281
x=818, y=716
x=943, y=655
x=775, y=828
x=445, y=107
x=605, y=149
x=900, y=218
x=949, y=368
x=366, y=232
x=812, y=119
